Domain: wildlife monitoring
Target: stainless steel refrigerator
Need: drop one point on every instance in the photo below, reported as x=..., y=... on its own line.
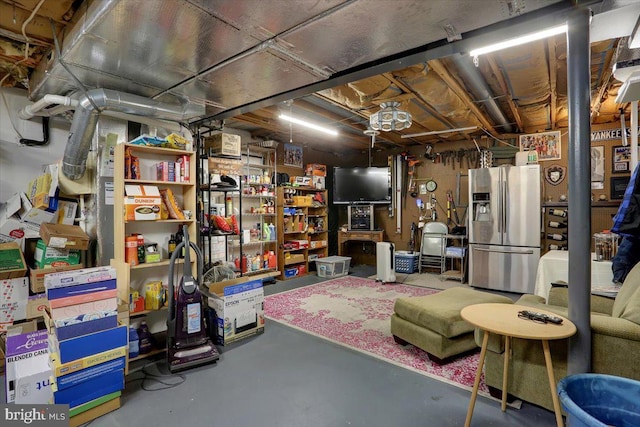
x=504, y=227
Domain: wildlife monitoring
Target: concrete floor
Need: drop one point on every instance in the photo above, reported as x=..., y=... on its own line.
x=285, y=377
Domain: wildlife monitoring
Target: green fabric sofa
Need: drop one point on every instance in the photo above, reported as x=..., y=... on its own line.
x=615, y=339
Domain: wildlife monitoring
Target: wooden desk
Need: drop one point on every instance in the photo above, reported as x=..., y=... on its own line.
x=502, y=319
x=358, y=235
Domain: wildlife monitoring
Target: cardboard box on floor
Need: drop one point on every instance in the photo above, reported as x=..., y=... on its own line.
x=239, y=310
x=27, y=369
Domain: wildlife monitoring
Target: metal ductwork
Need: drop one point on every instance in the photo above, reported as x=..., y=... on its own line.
x=476, y=83
x=95, y=101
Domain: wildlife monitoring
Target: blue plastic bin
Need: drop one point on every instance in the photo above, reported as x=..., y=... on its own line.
x=598, y=400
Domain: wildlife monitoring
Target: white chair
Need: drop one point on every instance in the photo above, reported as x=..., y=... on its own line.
x=433, y=246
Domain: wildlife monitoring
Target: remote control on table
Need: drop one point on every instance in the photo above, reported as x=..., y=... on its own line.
x=541, y=316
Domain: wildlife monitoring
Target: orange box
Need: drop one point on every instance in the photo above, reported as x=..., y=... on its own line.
x=314, y=169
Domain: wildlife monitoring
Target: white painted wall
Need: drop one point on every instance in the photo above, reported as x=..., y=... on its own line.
x=19, y=164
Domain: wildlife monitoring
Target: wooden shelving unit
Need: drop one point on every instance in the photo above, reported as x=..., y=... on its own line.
x=158, y=231
x=308, y=222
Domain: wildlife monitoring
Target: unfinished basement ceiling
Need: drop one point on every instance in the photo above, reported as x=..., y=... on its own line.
x=339, y=60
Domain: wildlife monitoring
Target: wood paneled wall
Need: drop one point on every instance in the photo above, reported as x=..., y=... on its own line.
x=446, y=177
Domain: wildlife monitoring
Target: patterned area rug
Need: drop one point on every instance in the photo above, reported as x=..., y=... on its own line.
x=355, y=312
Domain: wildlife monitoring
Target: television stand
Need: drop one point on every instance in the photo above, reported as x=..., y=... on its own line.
x=360, y=217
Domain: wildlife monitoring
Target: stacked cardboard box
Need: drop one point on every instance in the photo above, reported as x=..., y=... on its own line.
x=87, y=345
x=27, y=376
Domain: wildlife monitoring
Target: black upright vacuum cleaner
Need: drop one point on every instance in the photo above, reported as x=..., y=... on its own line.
x=188, y=344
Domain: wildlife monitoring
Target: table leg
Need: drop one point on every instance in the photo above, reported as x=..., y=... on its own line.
x=552, y=383
x=476, y=384
x=505, y=371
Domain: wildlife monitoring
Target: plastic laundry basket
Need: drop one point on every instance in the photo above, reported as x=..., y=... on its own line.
x=598, y=400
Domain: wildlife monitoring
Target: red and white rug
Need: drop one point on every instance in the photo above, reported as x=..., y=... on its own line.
x=355, y=312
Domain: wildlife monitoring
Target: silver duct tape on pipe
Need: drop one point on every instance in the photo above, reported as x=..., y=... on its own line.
x=94, y=102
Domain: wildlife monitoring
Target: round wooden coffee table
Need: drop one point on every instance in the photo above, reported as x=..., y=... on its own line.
x=502, y=319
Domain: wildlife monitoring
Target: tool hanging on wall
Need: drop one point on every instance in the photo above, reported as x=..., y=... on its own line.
x=434, y=203
x=412, y=237
x=412, y=177
x=451, y=209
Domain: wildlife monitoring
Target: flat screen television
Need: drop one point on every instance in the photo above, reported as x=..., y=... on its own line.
x=364, y=185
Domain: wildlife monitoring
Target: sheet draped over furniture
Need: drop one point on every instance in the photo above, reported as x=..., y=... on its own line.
x=554, y=266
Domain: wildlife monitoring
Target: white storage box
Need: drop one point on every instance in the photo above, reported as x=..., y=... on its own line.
x=333, y=266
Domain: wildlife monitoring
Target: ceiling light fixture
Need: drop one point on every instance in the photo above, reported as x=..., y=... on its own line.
x=520, y=40
x=390, y=118
x=308, y=124
x=436, y=132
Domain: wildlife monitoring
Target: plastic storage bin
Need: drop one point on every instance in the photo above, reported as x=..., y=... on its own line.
x=598, y=400
x=406, y=262
x=333, y=266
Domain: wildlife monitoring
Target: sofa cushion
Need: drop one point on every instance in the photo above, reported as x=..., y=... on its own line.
x=629, y=287
x=441, y=312
x=631, y=311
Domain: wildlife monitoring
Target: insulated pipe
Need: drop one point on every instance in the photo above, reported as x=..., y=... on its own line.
x=472, y=78
x=579, y=78
x=86, y=117
x=66, y=103
x=35, y=109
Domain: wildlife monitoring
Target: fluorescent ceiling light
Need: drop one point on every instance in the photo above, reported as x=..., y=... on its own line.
x=436, y=132
x=520, y=40
x=308, y=124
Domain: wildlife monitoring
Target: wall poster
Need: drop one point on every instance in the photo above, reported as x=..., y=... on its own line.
x=621, y=158
x=597, y=164
x=546, y=144
x=292, y=155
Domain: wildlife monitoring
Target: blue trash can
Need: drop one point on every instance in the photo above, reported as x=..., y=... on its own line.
x=598, y=400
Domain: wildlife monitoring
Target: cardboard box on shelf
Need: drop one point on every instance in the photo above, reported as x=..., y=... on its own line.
x=318, y=182
x=142, y=203
x=239, y=311
x=314, y=169
x=12, y=263
x=64, y=236
x=224, y=144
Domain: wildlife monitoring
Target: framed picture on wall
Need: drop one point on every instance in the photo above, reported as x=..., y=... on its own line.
x=292, y=155
x=546, y=144
x=597, y=164
x=621, y=158
x=618, y=186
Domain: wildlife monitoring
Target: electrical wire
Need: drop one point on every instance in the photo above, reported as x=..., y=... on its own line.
x=149, y=378
x=498, y=139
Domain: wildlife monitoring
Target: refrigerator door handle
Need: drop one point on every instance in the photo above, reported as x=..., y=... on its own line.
x=505, y=206
x=529, y=252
